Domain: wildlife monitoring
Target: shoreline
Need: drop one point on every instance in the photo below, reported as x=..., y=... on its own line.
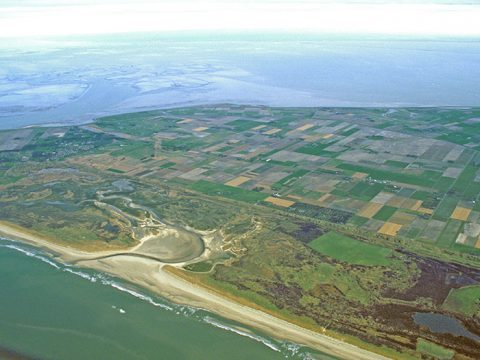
x=153, y=276
x=130, y=110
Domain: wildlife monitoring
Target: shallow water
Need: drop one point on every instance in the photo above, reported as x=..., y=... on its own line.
x=439, y=323
x=132, y=73
x=52, y=311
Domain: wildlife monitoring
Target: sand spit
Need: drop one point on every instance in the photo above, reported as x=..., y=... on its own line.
x=151, y=274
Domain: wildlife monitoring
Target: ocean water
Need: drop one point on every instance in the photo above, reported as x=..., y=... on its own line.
x=52, y=311
x=75, y=80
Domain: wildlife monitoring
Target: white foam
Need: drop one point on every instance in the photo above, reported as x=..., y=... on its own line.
x=83, y=275
x=136, y=294
x=48, y=261
x=13, y=247
x=31, y=254
x=264, y=341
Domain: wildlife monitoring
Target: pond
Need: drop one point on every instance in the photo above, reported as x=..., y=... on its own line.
x=439, y=323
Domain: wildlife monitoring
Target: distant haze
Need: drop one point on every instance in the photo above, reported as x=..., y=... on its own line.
x=27, y=18
x=79, y=78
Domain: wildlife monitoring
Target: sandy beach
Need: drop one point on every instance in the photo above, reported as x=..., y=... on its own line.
x=152, y=275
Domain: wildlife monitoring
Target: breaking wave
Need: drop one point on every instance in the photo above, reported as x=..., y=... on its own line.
x=136, y=294
x=258, y=338
x=31, y=254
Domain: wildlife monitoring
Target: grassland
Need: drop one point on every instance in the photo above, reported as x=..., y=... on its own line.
x=346, y=249
x=434, y=350
x=464, y=300
x=230, y=192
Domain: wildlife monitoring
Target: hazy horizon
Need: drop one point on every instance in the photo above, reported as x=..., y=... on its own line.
x=30, y=18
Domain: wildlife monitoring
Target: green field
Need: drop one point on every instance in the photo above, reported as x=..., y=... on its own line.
x=365, y=191
x=229, y=192
x=315, y=149
x=432, y=349
x=137, y=150
x=465, y=300
x=385, y=213
x=449, y=233
x=425, y=179
x=349, y=250
x=242, y=125
x=137, y=124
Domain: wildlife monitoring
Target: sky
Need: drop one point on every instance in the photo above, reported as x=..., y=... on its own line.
x=29, y=18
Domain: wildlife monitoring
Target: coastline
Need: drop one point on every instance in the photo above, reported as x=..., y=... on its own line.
x=154, y=276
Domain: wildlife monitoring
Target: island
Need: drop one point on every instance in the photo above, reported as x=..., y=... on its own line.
x=348, y=230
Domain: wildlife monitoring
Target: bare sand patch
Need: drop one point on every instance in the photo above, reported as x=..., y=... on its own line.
x=237, y=181
x=305, y=127
x=461, y=213
x=425, y=210
x=370, y=210
x=359, y=175
x=311, y=138
x=272, y=131
x=324, y=197
x=185, y=121
x=301, y=128
x=390, y=229
x=461, y=238
x=296, y=197
x=279, y=202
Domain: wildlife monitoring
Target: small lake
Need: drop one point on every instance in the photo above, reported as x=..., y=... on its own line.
x=439, y=323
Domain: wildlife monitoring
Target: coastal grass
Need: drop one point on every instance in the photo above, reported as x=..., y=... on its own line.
x=432, y=349
x=6, y=179
x=12, y=230
x=349, y=250
x=465, y=300
x=203, y=266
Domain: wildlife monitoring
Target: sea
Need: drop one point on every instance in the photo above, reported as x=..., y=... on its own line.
x=71, y=80
x=50, y=310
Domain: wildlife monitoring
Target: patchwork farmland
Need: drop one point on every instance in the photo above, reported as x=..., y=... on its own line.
x=411, y=173
x=398, y=172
